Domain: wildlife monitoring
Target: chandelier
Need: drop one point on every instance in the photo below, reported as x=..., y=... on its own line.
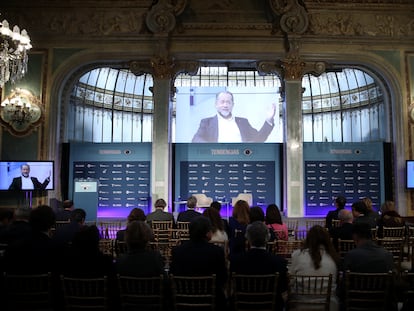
x=21, y=111
x=13, y=53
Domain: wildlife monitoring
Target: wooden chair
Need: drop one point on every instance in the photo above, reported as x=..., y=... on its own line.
x=344, y=246
x=107, y=246
x=254, y=292
x=161, y=224
x=407, y=291
x=108, y=229
x=395, y=247
x=393, y=232
x=85, y=293
x=336, y=223
x=28, y=292
x=292, y=224
x=368, y=291
x=141, y=293
x=183, y=225
x=309, y=292
x=286, y=248
x=309, y=223
x=191, y=292
x=120, y=248
x=300, y=234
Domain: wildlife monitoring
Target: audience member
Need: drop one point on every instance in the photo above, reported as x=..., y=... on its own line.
x=370, y=208
x=139, y=260
x=368, y=256
x=237, y=226
x=317, y=257
x=159, y=214
x=389, y=217
x=6, y=217
x=64, y=234
x=190, y=213
x=198, y=257
x=84, y=258
x=135, y=214
x=217, y=226
x=274, y=222
x=256, y=214
x=37, y=253
x=217, y=205
x=344, y=230
x=360, y=213
x=257, y=260
x=66, y=211
x=19, y=229
x=340, y=202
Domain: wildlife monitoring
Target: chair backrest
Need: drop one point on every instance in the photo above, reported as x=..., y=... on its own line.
x=286, y=248
x=85, y=293
x=395, y=247
x=203, y=200
x=254, y=292
x=107, y=246
x=141, y=293
x=308, y=292
x=248, y=197
x=393, y=232
x=193, y=292
x=367, y=291
x=108, y=229
x=28, y=292
x=120, y=248
x=184, y=225
x=335, y=223
x=161, y=224
x=344, y=246
x=309, y=223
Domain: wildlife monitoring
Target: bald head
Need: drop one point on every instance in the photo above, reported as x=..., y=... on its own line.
x=345, y=215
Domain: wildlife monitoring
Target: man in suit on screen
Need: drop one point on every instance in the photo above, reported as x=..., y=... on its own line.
x=226, y=128
x=26, y=182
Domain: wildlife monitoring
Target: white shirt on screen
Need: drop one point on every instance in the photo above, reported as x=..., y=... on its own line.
x=228, y=131
x=27, y=183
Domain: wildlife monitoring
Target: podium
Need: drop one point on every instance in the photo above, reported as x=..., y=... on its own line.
x=85, y=196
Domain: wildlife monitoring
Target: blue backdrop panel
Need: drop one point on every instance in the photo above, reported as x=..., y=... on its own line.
x=123, y=173
x=221, y=171
x=353, y=170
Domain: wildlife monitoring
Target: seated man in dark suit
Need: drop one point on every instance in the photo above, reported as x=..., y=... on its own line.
x=198, y=257
x=159, y=214
x=361, y=214
x=257, y=260
x=340, y=202
x=224, y=127
x=344, y=230
x=368, y=256
x=65, y=234
x=190, y=213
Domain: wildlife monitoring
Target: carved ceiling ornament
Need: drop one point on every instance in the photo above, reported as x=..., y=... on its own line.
x=161, y=18
x=293, y=16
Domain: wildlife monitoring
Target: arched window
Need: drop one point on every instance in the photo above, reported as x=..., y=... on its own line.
x=343, y=106
x=111, y=105
x=114, y=105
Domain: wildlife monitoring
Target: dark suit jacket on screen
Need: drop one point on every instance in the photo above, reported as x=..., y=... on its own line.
x=208, y=131
x=17, y=183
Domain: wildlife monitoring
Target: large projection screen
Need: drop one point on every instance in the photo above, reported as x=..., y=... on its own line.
x=253, y=103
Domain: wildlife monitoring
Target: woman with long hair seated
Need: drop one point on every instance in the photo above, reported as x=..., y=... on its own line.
x=317, y=257
x=274, y=222
x=237, y=226
x=217, y=225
